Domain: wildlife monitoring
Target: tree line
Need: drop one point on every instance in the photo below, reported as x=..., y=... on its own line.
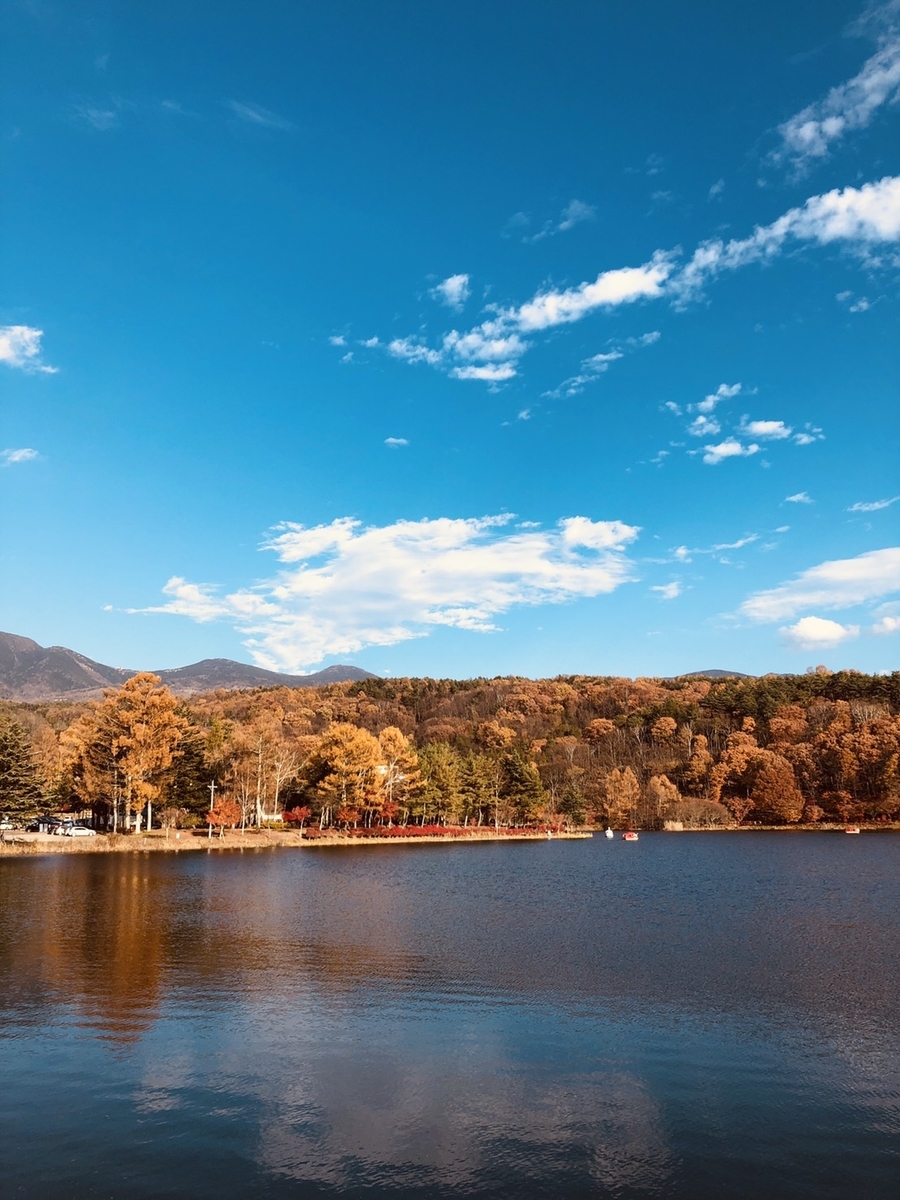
x=382, y=754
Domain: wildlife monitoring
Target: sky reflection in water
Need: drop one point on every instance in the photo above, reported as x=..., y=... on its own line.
x=707, y=1015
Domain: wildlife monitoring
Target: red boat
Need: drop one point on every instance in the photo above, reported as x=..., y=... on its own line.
x=630, y=836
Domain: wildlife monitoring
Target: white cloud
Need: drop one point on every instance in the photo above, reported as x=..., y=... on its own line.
x=730, y=448
x=747, y=540
x=343, y=587
x=840, y=583
x=371, y=343
x=598, y=364
x=799, y=498
x=574, y=213
x=20, y=346
x=489, y=342
x=98, y=118
x=863, y=216
x=396, y=443
x=255, y=114
x=412, y=351
x=767, y=430
x=810, y=134
x=645, y=339
x=703, y=426
x=811, y=633
x=611, y=288
x=887, y=625
x=667, y=591
x=486, y=373
x=338, y=339
x=873, y=505
x=453, y=291
x=9, y=457
x=685, y=553
x=723, y=392
x=717, y=189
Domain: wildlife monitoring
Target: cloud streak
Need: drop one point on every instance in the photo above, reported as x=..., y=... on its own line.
x=9, y=458
x=262, y=118
x=811, y=134
x=861, y=218
x=343, y=587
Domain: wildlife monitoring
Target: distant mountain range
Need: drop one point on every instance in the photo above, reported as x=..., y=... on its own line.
x=32, y=672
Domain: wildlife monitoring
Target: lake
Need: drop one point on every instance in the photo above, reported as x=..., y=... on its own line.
x=695, y=1015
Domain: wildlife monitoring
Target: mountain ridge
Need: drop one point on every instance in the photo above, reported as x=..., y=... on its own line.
x=31, y=672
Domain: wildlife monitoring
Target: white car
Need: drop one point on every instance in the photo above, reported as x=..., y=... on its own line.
x=4, y=824
x=77, y=831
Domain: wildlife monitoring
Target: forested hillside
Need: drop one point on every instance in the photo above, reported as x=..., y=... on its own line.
x=395, y=753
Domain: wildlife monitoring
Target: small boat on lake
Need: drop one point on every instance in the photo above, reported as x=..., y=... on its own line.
x=630, y=836
x=609, y=832
x=852, y=829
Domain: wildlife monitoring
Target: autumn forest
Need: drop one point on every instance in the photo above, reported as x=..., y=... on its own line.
x=388, y=756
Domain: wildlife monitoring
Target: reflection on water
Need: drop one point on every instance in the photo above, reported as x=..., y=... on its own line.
x=707, y=1015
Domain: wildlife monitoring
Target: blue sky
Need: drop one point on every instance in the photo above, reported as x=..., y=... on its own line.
x=452, y=339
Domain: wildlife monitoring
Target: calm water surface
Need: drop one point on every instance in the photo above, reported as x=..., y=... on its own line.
x=692, y=1016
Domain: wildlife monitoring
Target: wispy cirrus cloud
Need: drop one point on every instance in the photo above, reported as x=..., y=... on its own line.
x=20, y=347
x=811, y=134
x=685, y=554
x=343, y=587
x=101, y=117
x=575, y=212
x=598, y=364
x=9, y=458
x=256, y=115
x=869, y=506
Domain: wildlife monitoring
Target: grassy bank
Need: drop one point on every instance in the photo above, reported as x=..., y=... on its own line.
x=17, y=844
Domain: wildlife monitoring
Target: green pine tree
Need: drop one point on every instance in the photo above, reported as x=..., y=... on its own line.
x=522, y=785
x=20, y=790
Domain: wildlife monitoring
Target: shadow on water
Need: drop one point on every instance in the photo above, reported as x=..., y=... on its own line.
x=690, y=1016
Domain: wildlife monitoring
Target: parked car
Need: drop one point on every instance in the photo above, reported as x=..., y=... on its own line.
x=5, y=823
x=77, y=831
x=43, y=825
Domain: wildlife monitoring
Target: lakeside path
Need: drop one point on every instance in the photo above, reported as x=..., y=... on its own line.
x=19, y=844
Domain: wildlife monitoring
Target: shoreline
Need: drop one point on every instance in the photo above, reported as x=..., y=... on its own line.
x=32, y=844
x=21, y=844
